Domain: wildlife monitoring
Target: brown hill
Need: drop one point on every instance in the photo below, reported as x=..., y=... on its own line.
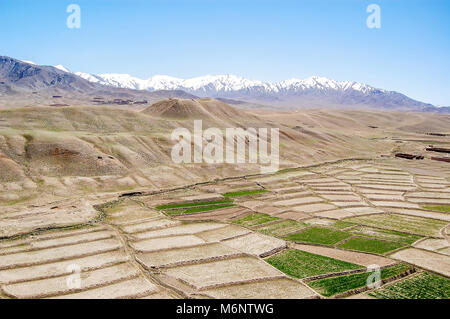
x=207, y=109
x=177, y=109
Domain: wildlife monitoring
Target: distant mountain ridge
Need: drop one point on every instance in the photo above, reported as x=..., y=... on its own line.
x=25, y=75
x=312, y=92
x=222, y=83
x=24, y=83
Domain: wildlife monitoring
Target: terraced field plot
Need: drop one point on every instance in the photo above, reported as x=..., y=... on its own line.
x=319, y=235
x=354, y=257
x=383, y=234
x=224, y=214
x=43, y=269
x=402, y=223
x=370, y=245
x=177, y=257
x=255, y=220
x=224, y=233
x=441, y=208
x=219, y=273
x=340, y=224
x=195, y=207
x=256, y=244
x=177, y=230
x=428, y=260
x=200, y=209
x=329, y=223
x=184, y=205
x=421, y=286
x=128, y=212
x=441, y=246
x=301, y=264
x=335, y=285
x=278, y=288
x=281, y=229
x=245, y=193
x=270, y=225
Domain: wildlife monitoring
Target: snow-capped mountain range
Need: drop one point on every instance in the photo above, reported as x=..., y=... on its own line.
x=222, y=84
x=25, y=83
x=311, y=92
x=294, y=93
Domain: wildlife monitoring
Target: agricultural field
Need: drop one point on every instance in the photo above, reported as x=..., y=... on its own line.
x=245, y=193
x=319, y=235
x=411, y=224
x=328, y=214
x=171, y=206
x=301, y=264
x=255, y=220
x=425, y=259
x=340, y=224
x=314, y=233
x=370, y=245
x=383, y=234
x=441, y=208
x=421, y=286
x=200, y=209
x=270, y=225
x=335, y=285
x=195, y=207
x=329, y=223
x=281, y=229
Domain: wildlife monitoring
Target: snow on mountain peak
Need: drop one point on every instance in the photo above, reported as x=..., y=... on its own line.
x=29, y=62
x=224, y=83
x=220, y=83
x=62, y=68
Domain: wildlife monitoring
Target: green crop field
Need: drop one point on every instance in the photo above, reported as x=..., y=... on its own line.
x=441, y=208
x=421, y=286
x=335, y=285
x=382, y=234
x=370, y=245
x=282, y=228
x=401, y=223
x=171, y=206
x=245, y=193
x=319, y=235
x=339, y=224
x=300, y=264
x=193, y=210
x=254, y=220
x=329, y=223
x=433, y=142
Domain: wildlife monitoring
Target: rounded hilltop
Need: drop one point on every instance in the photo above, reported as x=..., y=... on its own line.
x=206, y=108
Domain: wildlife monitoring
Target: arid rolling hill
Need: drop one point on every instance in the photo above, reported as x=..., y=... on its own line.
x=71, y=151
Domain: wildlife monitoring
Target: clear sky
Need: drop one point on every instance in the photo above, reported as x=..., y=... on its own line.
x=267, y=40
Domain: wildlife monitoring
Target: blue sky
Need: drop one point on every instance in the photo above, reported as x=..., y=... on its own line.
x=267, y=40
